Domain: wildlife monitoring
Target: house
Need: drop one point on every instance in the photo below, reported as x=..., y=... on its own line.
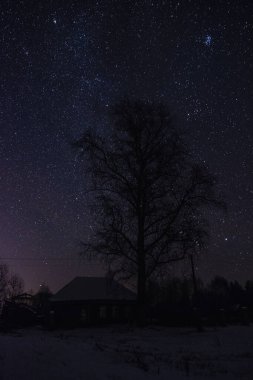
x=92, y=300
x=18, y=311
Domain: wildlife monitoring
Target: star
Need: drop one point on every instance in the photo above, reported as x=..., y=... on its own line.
x=208, y=40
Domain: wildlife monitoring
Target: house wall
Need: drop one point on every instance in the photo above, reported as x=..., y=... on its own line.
x=83, y=313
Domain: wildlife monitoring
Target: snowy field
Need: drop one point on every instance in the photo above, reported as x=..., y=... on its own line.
x=116, y=353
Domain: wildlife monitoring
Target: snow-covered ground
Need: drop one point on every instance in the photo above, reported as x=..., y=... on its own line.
x=117, y=353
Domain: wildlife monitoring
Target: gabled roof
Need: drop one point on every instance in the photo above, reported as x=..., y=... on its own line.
x=93, y=288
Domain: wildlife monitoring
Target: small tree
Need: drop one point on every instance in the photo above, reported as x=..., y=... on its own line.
x=11, y=284
x=149, y=194
x=41, y=299
x=15, y=286
x=4, y=273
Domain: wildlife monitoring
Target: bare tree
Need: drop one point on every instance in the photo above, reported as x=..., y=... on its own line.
x=4, y=275
x=11, y=284
x=150, y=196
x=15, y=285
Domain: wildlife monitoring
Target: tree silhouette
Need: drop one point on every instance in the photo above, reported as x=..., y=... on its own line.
x=16, y=285
x=4, y=274
x=11, y=284
x=41, y=299
x=149, y=194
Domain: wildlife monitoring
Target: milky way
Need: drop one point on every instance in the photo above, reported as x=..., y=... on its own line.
x=64, y=63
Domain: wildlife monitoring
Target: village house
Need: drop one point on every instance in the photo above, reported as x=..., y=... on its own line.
x=18, y=311
x=92, y=300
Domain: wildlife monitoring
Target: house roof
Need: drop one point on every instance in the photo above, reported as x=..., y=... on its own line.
x=93, y=288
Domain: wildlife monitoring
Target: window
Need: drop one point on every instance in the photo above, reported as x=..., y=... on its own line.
x=84, y=315
x=115, y=312
x=102, y=312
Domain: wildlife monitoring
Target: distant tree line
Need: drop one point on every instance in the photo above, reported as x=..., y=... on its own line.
x=176, y=301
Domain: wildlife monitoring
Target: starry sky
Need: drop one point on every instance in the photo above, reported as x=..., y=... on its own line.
x=64, y=63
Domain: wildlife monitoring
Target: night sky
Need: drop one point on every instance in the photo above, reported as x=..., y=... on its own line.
x=64, y=63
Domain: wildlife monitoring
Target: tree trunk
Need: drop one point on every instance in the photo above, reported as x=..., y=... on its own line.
x=141, y=289
x=141, y=280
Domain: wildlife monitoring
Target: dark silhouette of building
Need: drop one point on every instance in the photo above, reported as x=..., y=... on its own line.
x=92, y=300
x=18, y=311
